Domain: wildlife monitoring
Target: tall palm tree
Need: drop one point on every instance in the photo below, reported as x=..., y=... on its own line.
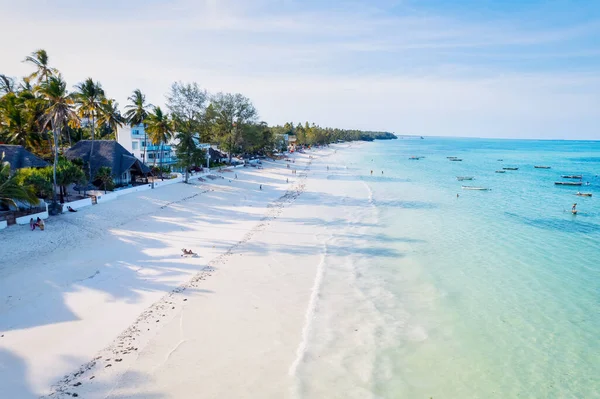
x=136, y=113
x=39, y=59
x=59, y=111
x=15, y=121
x=89, y=98
x=160, y=129
x=7, y=84
x=110, y=116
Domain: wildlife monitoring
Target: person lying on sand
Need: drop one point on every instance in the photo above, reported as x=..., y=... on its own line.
x=188, y=252
x=70, y=209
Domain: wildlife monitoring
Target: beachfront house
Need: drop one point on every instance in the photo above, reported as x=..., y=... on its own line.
x=18, y=157
x=136, y=141
x=126, y=168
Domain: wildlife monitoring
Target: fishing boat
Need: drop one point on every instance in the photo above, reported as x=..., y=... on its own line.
x=415, y=158
x=510, y=168
x=500, y=171
x=456, y=159
x=572, y=177
x=461, y=178
x=583, y=194
x=568, y=183
x=475, y=188
x=542, y=167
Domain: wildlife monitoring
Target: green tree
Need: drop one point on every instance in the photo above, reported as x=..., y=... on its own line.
x=59, y=111
x=7, y=84
x=233, y=113
x=136, y=113
x=39, y=59
x=10, y=191
x=39, y=179
x=104, y=175
x=110, y=116
x=160, y=130
x=68, y=173
x=187, y=104
x=89, y=97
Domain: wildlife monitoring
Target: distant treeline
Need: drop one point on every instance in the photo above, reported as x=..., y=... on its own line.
x=311, y=134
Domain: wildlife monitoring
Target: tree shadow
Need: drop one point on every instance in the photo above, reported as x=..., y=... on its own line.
x=13, y=377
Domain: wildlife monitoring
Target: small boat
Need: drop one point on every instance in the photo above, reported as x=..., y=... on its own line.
x=568, y=183
x=542, y=167
x=415, y=158
x=510, y=168
x=451, y=157
x=456, y=159
x=500, y=171
x=461, y=178
x=583, y=194
x=500, y=160
x=572, y=176
x=475, y=188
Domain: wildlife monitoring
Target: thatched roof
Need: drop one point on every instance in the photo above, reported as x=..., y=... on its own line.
x=18, y=157
x=106, y=153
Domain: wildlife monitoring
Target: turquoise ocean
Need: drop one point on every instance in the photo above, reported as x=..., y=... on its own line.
x=491, y=294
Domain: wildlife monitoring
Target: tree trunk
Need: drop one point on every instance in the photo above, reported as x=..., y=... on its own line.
x=145, y=144
x=161, y=161
x=62, y=194
x=55, y=162
x=92, y=149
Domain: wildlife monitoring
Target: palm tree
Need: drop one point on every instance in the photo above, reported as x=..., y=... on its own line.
x=7, y=84
x=89, y=98
x=160, y=129
x=39, y=59
x=11, y=191
x=58, y=113
x=15, y=121
x=110, y=116
x=136, y=113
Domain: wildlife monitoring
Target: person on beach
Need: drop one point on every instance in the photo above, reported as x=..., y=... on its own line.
x=31, y=224
x=287, y=180
x=40, y=224
x=236, y=175
x=371, y=173
x=261, y=187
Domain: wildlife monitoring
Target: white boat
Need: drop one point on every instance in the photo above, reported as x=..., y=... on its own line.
x=475, y=188
x=462, y=178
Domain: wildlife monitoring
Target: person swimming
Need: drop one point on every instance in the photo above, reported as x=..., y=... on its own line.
x=574, y=209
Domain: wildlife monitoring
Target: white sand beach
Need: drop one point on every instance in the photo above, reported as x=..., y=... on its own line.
x=102, y=304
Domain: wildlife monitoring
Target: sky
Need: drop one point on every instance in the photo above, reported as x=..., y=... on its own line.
x=473, y=68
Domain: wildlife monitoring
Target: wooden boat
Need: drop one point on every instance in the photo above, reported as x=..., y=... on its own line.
x=456, y=159
x=500, y=171
x=542, y=167
x=510, y=168
x=572, y=176
x=568, y=183
x=461, y=178
x=475, y=188
x=415, y=158
x=584, y=194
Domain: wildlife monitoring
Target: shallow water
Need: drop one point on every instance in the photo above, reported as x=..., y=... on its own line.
x=489, y=294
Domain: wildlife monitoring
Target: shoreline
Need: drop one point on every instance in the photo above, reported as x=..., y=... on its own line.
x=159, y=292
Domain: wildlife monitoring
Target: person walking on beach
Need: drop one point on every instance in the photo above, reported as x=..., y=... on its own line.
x=261, y=187
x=31, y=224
x=371, y=173
x=236, y=175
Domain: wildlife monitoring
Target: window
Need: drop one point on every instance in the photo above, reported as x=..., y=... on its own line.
x=143, y=144
x=166, y=154
x=134, y=145
x=150, y=156
x=135, y=131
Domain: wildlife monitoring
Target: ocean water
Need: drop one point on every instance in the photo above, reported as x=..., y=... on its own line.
x=491, y=294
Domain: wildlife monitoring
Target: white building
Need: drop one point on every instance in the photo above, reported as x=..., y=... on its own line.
x=135, y=140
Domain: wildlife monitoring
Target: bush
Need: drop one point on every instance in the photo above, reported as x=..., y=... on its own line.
x=39, y=179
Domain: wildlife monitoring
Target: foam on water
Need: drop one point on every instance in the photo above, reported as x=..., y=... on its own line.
x=491, y=294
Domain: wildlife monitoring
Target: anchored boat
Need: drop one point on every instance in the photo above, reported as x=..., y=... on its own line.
x=568, y=183
x=461, y=178
x=500, y=171
x=475, y=188
x=510, y=168
x=584, y=194
x=572, y=177
x=542, y=167
x=456, y=159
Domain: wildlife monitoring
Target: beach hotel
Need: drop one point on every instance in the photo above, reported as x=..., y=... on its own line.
x=136, y=141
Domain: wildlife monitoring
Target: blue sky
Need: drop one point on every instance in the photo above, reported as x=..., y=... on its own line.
x=459, y=68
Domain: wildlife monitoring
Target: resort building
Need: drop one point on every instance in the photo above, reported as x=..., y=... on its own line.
x=18, y=157
x=126, y=168
x=136, y=141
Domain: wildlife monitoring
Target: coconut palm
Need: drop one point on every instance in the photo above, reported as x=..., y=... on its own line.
x=11, y=191
x=7, y=84
x=39, y=59
x=15, y=122
x=136, y=113
x=160, y=130
x=59, y=111
x=110, y=116
x=89, y=98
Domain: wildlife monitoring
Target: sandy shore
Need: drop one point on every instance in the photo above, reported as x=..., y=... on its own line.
x=102, y=305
